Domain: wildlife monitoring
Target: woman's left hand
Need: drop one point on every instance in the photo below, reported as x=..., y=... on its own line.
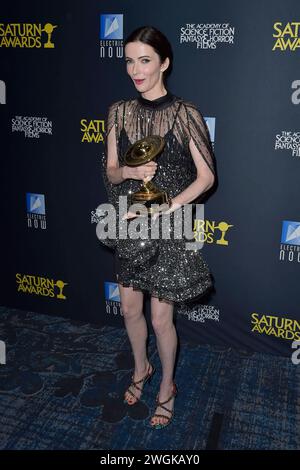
x=172, y=208
x=131, y=215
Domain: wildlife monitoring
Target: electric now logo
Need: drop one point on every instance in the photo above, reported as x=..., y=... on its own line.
x=2, y=352
x=36, y=212
x=111, y=36
x=290, y=234
x=112, y=291
x=111, y=26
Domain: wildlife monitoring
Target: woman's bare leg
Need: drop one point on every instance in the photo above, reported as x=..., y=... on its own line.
x=136, y=326
x=166, y=340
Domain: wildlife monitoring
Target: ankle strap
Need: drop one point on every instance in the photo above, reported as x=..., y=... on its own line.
x=159, y=403
x=139, y=381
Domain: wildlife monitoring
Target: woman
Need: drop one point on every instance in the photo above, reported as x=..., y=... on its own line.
x=185, y=169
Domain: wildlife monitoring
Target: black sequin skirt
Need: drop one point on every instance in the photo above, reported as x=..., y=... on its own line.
x=165, y=268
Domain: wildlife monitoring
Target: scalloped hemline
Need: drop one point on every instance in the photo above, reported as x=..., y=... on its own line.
x=162, y=297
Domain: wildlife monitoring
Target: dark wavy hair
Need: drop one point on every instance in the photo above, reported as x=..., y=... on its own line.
x=156, y=39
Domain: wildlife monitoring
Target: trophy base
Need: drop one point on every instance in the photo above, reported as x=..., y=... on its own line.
x=149, y=195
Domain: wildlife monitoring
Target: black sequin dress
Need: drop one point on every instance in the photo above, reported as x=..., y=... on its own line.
x=164, y=268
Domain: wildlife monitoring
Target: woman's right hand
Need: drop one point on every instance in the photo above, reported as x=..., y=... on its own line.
x=142, y=172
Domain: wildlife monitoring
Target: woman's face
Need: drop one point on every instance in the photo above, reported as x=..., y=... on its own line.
x=144, y=66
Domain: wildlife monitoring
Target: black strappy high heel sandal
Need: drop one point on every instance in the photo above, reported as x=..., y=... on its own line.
x=134, y=384
x=161, y=404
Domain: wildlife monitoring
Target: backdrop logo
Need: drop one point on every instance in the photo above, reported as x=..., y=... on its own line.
x=112, y=298
x=111, y=35
x=208, y=35
x=92, y=131
x=205, y=231
x=36, y=212
x=41, y=286
x=211, y=125
x=286, y=36
x=200, y=313
x=288, y=141
x=31, y=126
x=26, y=35
x=2, y=92
x=290, y=241
x=271, y=325
x=2, y=352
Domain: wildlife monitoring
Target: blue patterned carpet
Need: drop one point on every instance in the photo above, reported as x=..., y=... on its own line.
x=63, y=382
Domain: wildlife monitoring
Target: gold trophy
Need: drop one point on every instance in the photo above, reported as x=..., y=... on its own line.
x=140, y=153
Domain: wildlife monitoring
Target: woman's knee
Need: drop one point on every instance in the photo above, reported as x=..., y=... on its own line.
x=131, y=302
x=131, y=311
x=161, y=315
x=161, y=323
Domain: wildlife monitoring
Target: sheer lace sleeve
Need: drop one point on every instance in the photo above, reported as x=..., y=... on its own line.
x=198, y=131
x=113, y=117
x=112, y=120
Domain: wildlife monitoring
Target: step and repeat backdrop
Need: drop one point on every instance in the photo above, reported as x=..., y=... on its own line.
x=61, y=65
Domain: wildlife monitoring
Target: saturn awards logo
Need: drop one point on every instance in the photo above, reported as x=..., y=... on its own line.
x=40, y=286
x=272, y=325
x=206, y=231
x=92, y=131
x=287, y=37
x=27, y=35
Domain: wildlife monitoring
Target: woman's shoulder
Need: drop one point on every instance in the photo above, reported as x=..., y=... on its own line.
x=190, y=110
x=116, y=104
x=127, y=104
x=121, y=104
x=187, y=103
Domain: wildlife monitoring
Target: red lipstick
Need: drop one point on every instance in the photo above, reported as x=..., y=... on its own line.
x=138, y=82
